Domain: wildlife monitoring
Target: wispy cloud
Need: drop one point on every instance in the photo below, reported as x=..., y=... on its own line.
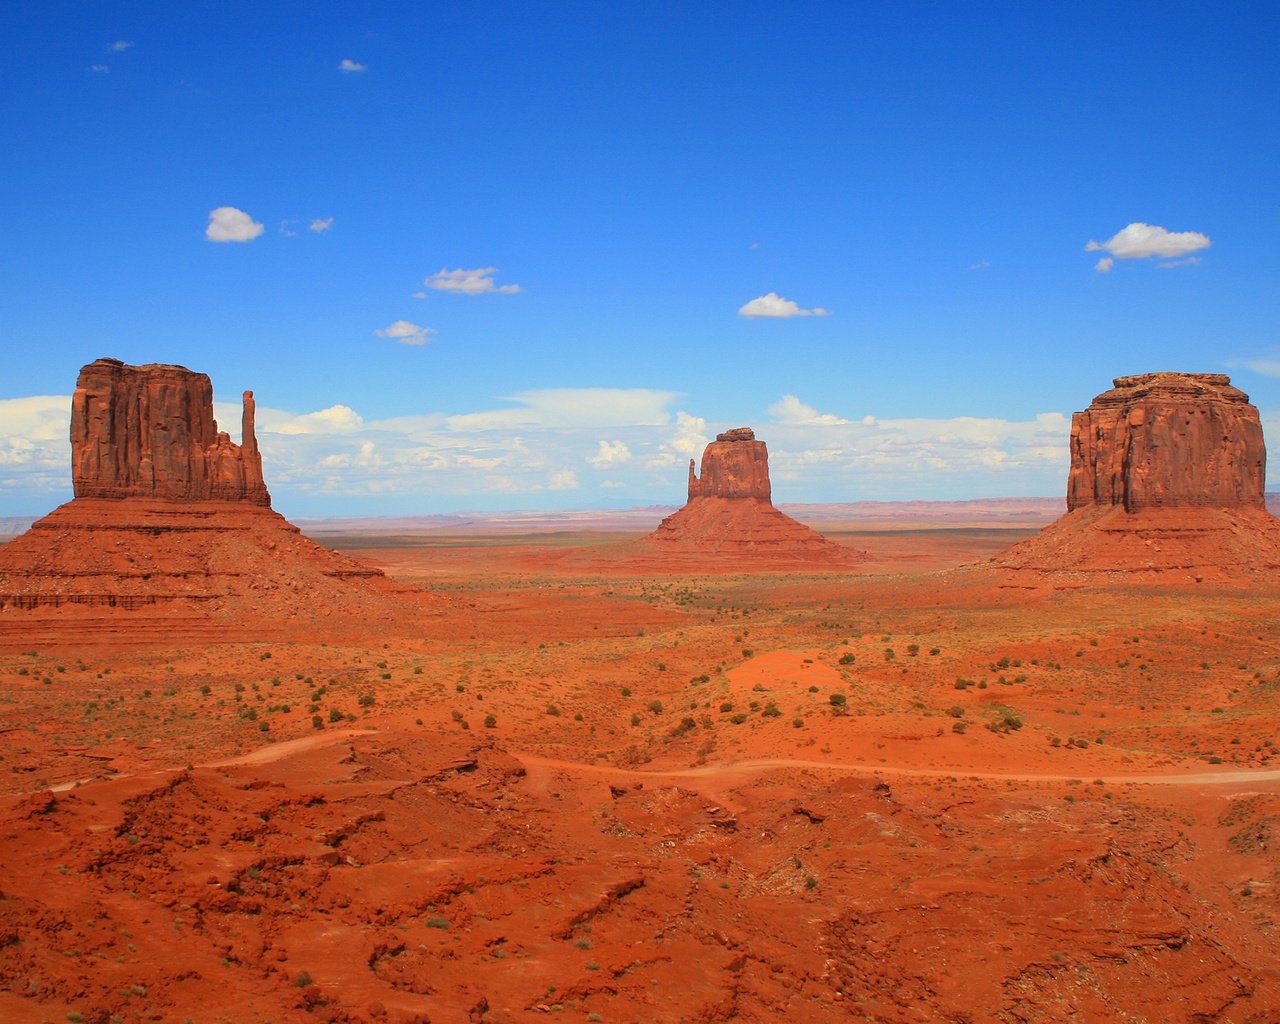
x=350, y=67
x=1139, y=241
x=98, y=69
x=320, y=224
x=775, y=306
x=1104, y=265
x=120, y=45
x=406, y=332
x=468, y=282
x=1188, y=262
x=980, y=265
x=227, y=224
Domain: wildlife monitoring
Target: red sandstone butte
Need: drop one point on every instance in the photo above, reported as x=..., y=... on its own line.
x=734, y=465
x=1164, y=440
x=149, y=432
x=730, y=509
x=1166, y=483
x=170, y=513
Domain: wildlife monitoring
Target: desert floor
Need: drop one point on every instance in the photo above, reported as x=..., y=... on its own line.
x=580, y=784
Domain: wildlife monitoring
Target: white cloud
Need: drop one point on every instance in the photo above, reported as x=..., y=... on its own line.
x=286, y=229
x=35, y=450
x=572, y=407
x=349, y=66
x=789, y=409
x=1139, y=241
x=99, y=69
x=564, y=480
x=320, y=224
x=333, y=420
x=468, y=282
x=1104, y=265
x=1187, y=262
x=406, y=332
x=980, y=265
x=610, y=453
x=120, y=45
x=774, y=305
x=1268, y=367
x=227, y=224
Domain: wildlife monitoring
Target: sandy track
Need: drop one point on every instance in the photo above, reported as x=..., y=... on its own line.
x=743, y=769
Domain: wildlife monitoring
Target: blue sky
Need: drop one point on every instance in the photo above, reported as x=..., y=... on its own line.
x=923, y=179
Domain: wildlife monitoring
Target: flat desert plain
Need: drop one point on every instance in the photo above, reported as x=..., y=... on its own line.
x=581, y=782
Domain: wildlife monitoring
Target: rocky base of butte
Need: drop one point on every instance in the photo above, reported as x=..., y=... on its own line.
x=170, y=513
x=730, y=510
x=1166, y=484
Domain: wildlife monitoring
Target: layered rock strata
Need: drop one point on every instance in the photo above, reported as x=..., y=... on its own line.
x=1165, y=485
x=730, y=509
x=169, y=513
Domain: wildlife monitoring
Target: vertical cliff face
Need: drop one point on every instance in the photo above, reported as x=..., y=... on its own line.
x=1167, y=440
x=149, y=432
x=734, y=465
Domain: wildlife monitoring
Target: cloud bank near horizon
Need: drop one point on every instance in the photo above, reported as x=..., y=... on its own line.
x=580, y=448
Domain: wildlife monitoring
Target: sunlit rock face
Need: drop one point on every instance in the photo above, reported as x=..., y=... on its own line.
x=1168, y=440
x=734, y=465
x=149, y=432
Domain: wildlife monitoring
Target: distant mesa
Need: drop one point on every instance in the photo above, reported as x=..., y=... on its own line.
x=730, y=509
x=170, y=513
x=1166, y=481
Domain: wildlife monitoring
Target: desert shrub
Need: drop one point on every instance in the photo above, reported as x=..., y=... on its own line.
x=553, y=711
x=367, y=699
x=335, y=715
x=302, y=979
x=726, y=707
x=655, y=707
x=771, y=711
x=490, y=722
x=956, y=712
x=913, y=650
x=317, y=722
x=838, y=700
x=437, y=922
x=739, y=718
x=848, y=658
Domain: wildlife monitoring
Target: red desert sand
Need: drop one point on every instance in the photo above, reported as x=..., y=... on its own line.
x=558, y=787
